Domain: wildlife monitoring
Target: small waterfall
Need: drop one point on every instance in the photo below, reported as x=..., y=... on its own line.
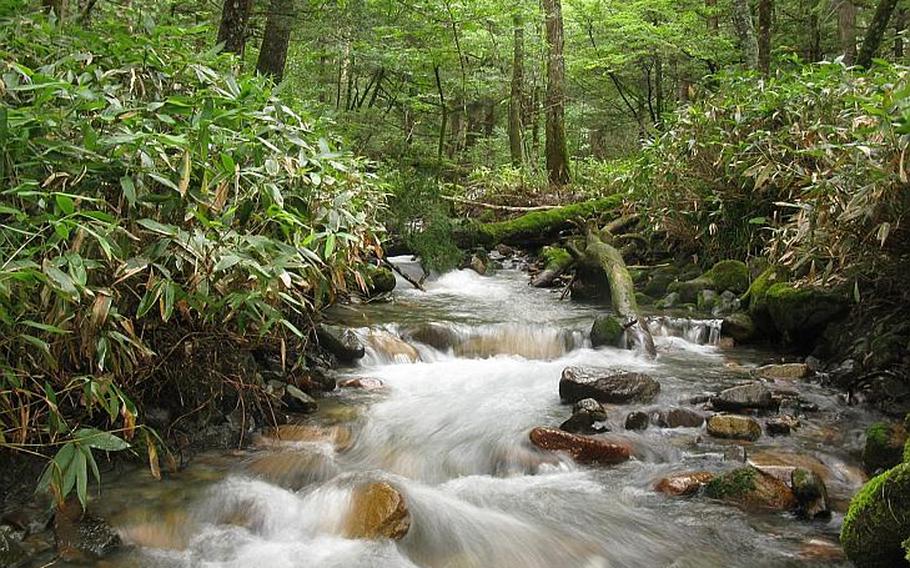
x=430, y=342
x=698, y=331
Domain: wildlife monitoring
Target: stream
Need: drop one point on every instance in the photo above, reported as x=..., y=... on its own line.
x=449, y=430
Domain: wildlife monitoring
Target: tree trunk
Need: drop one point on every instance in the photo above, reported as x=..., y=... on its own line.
x=622, y=289
x=713, y=22
x=846, y=30
x=814, y=49
x=556, y=148
x=516, y=99
x=765, y=14
x=234, y=18
x=745, y=31
x=900, y=24
x=875, y=32
x=273, y=53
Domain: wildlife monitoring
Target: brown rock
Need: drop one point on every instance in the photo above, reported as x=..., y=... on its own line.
x=377, y=511
x=677, y=418
x=365, y=383
x=583, y=449
x=679, y=484
x=751, y=489
x=787, y=371
x=292, y=469
x=339, y=436
x=751, y=395
x=734, y=427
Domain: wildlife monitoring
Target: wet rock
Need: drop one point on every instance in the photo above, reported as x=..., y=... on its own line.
x=583, y=449
x=735, y=454
x=819, y=551
x=680, y=484
x=677, y=418
x=884, y=446
x=787, y=371
x=734, y=427
x=363, y=383
x=435, y=335
x=878, y=521
x=81, y=535
x=478, y=263
x=669, y=301
x=340, y=342
x=726, y=343
x=801, y=314
x=12, y=554
x=380, y=280
x=392, y=347
x=727, y=303
x=377, y=511
x=637, y=421
x=781, y=425
x=298, y=401
x=168, y=532
x=607, y=331
x=587, y=418
x=313, y=381
x=748, y=396
x=811, y=494
x=738, y=326
x=751, y=489
x=292, y=470
x=339, y=437
x=706, y=300
x=606, y=385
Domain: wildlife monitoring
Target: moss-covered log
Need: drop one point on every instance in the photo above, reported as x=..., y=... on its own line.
x=878, y=521
x=622, y=289
x=536, y=228
x=557, y=260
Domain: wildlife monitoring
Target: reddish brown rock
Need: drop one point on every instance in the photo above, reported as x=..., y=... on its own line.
x=679, y=484
x=377, y=511
x=583, y=449
x=364, y=383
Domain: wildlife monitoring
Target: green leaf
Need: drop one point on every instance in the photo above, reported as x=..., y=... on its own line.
x=161, y=228
x=129, y=190
x=61, y=281
x=100, y=440
x=81, y=473
x=329, y=245
x=65, y=203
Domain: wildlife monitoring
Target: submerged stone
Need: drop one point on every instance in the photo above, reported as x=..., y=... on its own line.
x=583, y=449
x=606, y=385
x=81, y=535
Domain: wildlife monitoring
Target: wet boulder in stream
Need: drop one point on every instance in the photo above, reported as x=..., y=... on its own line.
x=606, y=385
x=884, y=446
x=749, y=396
x=583, y=449
x=677, y=418
x=340, y=342
x=878, y=521
x=682, y=484
x=811, y=494
x=377, y=511
x=734, y=427
x=751, y=489
x=637, y=420
x=587, y=417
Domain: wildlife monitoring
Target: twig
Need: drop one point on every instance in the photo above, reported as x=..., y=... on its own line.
x=401, y=273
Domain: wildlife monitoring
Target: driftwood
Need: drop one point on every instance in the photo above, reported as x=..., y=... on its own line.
x=599, y=249
x=402, y=273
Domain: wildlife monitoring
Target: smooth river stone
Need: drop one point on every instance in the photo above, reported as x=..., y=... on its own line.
x=606, y=385
x=583, y=449
x=377, y=511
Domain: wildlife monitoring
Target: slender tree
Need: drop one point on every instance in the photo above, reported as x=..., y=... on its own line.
x=745, y=31
x=846, y=30
x=765, y=15
x=875, y=32
x=900, y=24
x=273, y=53
x=516, y=99
x=235, y=15
x=556, y=147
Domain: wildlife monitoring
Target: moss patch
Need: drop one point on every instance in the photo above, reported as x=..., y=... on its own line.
x=802, y=312
x=885, y=445
x=730, y=275
x=607, y=330
x=878, y=521
x=733, y=484
x=555, y=258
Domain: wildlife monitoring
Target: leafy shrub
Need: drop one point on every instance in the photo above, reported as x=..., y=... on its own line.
x=807, y=167
x=144, y=183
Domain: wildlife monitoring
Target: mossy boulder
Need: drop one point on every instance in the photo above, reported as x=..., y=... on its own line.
x=643, y=299
x=730, y=275
x=739, y=326
x=607, y=330
x=755, y=297
x=885, y=446
x=801, y=314
x=380, y=280
x=554, y=257
x=751, y=489
x=878, y=521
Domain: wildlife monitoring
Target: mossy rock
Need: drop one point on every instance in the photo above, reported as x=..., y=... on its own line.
x=801, y=314
x=730, y=275
x=907, y=452
x=643, y=299
x=607, y=330
x=878, y=521
x=555, y=258
x=656, y=287
x=885, y=446
x=688, y=290
x=756, y=297
x=380, y=280
x=739, y=326
x=751, y=489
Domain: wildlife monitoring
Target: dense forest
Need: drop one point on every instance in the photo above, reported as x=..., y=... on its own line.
x=193, y=190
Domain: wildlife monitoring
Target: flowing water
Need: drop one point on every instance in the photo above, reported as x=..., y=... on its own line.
x=469, y=367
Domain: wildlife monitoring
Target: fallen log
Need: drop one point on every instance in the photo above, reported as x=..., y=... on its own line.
x=536, y=228
x=599, y=249
x=558, y=260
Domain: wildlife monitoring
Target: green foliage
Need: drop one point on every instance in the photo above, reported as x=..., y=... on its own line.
x=810, y=160
x=145, y=183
